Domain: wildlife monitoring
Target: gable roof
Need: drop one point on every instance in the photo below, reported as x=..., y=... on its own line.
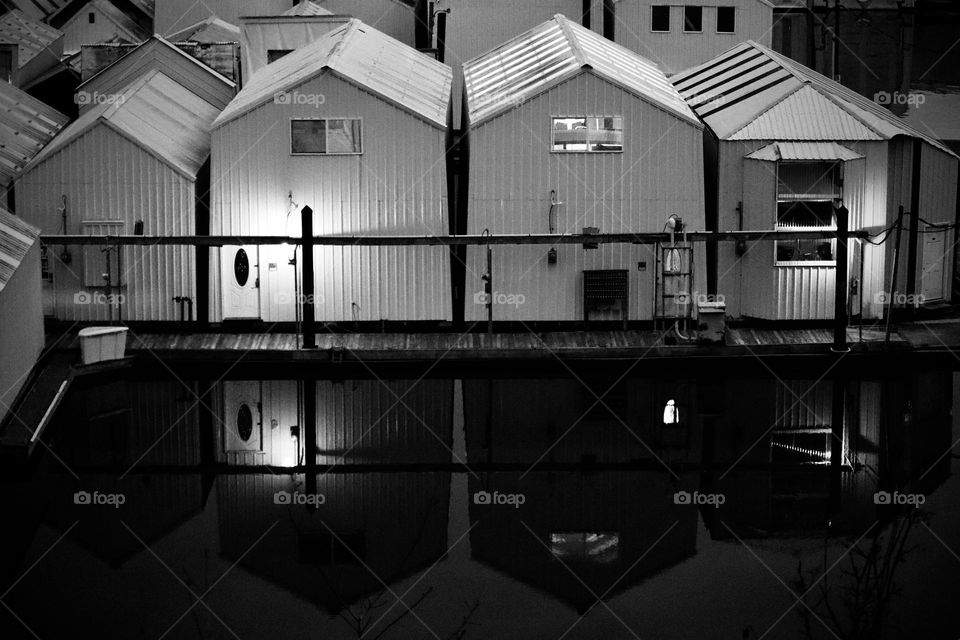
x=552, y=53
x=26, y=126
x=154, y=112
x=211, y=29
x=363, y=56
x=307, y=8
x=752, y=92
x=16, y=238
x=151, y=52
x=30, y=36
x=127, y=27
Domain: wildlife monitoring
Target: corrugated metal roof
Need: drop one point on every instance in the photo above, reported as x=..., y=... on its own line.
x=307, y=8
x=211, y=29
x=806, y=114
x=551, y=53
x=734, y=89
x=16, y=238
x=26, y=126
x=361, y=54
x=30, y=36
x=827, y=151
x=156, y=113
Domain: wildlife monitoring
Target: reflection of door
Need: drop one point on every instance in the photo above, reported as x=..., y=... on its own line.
x=242, y=429
x=240, y=274
x=931, y=278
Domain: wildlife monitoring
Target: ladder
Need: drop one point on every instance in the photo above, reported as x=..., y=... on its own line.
x=673, y=289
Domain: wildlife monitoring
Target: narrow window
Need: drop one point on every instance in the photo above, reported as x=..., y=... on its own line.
x=806, y=192
x=325, y=136
x=692, y=19
x=660, y=18
x=726, y=19
x=275, y=54
x=92, y=18
x=587, y=134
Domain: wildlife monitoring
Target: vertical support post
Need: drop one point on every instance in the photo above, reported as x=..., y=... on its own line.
x=309, y=434
x=892, y=294
x=309, y=317
x=488, y=285
x=913, y=250
x=840, y=284
x=441, y=35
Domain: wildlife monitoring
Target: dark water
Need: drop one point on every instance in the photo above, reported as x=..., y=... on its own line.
x=579, y=507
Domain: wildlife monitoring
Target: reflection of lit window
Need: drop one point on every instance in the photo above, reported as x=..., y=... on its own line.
x=671, y=413
x=325, y=136
x=600, y=548
x=806, y=192
x=587, y=134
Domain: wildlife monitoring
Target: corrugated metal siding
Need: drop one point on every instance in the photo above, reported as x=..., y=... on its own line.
x=392, y=17
x=109, y=25
x=32, y=37
x=805, y=293
x=106, y=177
x=938, y=203
x=260, y=35
x=397, y=186
x=513, y=171
x=676, y=51
x=21, y=316
x=159, y=55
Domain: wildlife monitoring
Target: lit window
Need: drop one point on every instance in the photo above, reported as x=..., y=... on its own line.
x=726, y=19
x=692, y=19
x=585, y=134
x=660, y=18
x=325, y=136
x=600, y=548
x=806, y=192
x=275, y=54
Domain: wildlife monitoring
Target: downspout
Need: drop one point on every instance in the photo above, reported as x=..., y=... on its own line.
x=914, y=236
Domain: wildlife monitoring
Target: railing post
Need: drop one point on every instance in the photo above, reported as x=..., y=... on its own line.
x=840, y=284
x=309, y=317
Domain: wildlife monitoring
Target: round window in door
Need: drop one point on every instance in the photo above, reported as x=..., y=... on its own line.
x=241, y=267
x=244, y=423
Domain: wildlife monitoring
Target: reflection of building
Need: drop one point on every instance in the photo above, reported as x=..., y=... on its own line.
x=358, y=422
x=105, y=433
x=607, y=528
x=372, y=529
x=561, y=421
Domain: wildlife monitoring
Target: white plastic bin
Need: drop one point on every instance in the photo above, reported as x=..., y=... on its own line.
x=711, y=322
x=98, y=344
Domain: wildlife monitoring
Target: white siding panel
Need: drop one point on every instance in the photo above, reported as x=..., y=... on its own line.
x=513, y=171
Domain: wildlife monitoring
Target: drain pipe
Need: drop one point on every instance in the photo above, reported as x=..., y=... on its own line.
x=840, y=283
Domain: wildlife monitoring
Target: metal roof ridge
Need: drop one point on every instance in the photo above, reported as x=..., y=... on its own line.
x=564, y=23
x=339, y=48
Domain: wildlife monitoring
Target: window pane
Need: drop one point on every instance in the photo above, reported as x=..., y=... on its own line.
x=570, y=134
x=693, y=18
x=600, y=548
x=660, y=18
x=343, y=136
x=726, y=19
x=606, y=134
x=805, y=215
x=308, y=136
x=807, y=180
x=275, y=54
x=592, y=133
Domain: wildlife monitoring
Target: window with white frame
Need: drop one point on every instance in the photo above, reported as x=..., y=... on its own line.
x=692, y=19
x=587, y=134
x=325, y=136
x=726, y=19
x=806, y=197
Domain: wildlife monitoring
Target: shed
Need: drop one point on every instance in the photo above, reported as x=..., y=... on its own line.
x=30, y=47
x=785, y=144
x=353, y=125
x=96, y=21
x=26, y=126
x=21, y=312
x=209, y=30
x=568, y=131
x=155, y=54
x=131, y=160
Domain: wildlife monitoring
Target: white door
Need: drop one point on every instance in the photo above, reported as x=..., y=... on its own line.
x=934, y=249
x=240, y=275
x=242, y=428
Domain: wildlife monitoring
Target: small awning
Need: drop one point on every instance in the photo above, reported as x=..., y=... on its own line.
x=813, y=151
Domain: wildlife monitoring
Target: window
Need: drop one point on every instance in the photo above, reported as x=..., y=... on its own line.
x=92, y=18
x=660, y=18
x=275, y=54
x=806, y=195
x=8, y=62
x=600, y=548
x=692, y=19
x=726, y=19
x=325, y=136
x=585, y=134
